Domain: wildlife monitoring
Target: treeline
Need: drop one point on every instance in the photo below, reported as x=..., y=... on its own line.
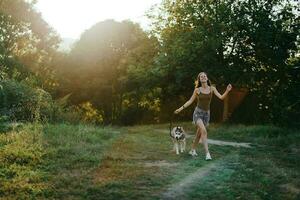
x=118, y=73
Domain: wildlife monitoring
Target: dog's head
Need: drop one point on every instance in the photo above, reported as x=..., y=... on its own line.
x=178, y=133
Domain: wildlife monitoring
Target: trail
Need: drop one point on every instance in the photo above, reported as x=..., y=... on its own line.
x=181, y=189
x=217, y=142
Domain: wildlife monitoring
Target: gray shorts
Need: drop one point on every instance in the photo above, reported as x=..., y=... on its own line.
x=201, y=114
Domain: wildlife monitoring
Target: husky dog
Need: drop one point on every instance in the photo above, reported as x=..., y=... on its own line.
x=178, y=137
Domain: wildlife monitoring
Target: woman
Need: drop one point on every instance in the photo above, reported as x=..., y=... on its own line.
x=203, y=92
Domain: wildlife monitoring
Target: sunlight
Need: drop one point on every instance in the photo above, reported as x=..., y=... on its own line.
x=70, y=18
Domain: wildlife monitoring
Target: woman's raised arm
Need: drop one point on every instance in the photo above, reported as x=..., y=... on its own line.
x=222, y=97
x=188, y=103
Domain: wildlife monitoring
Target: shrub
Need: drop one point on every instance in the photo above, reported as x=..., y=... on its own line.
x=21, y=153
x=19, y=101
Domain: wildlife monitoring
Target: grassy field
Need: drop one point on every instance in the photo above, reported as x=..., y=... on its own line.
x=86, y=162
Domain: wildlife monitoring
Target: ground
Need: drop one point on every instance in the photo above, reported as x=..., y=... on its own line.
x=87, y=162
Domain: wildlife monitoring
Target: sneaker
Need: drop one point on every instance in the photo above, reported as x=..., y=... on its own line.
x=208, y=157
x=193, y=153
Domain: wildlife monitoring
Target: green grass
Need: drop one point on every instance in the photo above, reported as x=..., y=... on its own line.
x=86, y=162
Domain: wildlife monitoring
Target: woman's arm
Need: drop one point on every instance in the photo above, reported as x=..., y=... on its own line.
x=222, y=97
x=189, y=102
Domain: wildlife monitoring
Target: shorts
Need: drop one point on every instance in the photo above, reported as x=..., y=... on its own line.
x=201, y=114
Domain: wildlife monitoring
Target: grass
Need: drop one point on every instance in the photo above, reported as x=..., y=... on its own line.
x=86, y=162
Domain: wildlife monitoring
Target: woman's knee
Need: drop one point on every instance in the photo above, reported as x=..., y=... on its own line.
x=201, y=129
x=200, y=123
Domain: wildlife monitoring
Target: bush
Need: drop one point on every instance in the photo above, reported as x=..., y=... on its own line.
x=83, y=113
x=21, y=154
x=276, y=102
x=19, y=101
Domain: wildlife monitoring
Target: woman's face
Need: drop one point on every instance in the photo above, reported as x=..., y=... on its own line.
x=203, y=78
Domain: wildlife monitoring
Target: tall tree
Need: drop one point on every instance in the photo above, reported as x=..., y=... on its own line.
x=27, y=42
x=248, y=43
x=99, y=63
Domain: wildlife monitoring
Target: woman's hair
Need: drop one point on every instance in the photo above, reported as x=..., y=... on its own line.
x=198, y=82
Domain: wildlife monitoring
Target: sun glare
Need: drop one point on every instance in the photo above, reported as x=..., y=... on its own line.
x=71, y=17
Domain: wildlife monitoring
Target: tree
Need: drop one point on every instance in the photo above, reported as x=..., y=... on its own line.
x=248, y=43
x=99, y=64
x=27, y=43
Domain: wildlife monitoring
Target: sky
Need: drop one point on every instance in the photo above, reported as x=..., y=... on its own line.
x=70, y=18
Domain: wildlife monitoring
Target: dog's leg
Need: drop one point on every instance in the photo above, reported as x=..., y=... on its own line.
x=183, y=144
x=176, y=147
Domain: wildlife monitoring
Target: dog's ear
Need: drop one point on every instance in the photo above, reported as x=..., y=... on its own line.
x=174, y=130
x=182, y=129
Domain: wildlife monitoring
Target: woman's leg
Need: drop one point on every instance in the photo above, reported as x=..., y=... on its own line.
x=203, y=131
x=204, y=139
x=198, y=134
x=203, y=135
x=197, y=138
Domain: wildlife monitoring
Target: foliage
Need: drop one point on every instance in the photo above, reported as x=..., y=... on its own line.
x=27, y=43
x=141, y=107
x=89, y=113
x=110, y=60
x=21, y=102
x=83, y=113
x=248, y=43
x=116, y=69
x=21, y=153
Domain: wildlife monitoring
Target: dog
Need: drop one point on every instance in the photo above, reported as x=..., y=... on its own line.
x=178, y=137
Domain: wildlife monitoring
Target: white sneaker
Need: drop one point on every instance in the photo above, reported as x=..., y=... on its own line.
x=208, y=157
x=193, y=152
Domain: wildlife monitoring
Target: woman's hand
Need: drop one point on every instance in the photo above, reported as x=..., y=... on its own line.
x=229, y=87
x=177, y=111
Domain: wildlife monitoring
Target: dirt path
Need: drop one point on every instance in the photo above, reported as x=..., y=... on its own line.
x=216, y=142
x=224, y=143
x=181, y=189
